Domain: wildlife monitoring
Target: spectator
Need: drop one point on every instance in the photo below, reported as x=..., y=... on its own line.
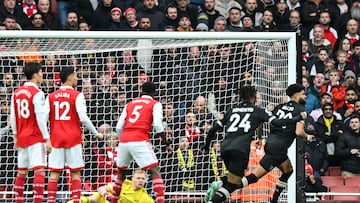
x=293, y=4
x=202, y=27
x=355, y=59
x=319, y=66
x=347, y=149
x=103, y=15
x=345, y=45
x=352, y=31
x=50, y=19
x=184, y=8
x=9, y=9
x=281, y=15
x=224, y=6
x=219, y=25
x=342, y=64
x=130, y=22
x=313, y=183
x=29, y=7
x=267, y=22
x=151, y=11
x=37, y=22
x=106, y=157
x=219, y=98
x=115, y=23
x=310, y=12
x=171, y=17
x=250, y=11
x=350, y=80
x=200, y=109
x=314, y=92
x=329, y=128
x=84, y=26
x=329, y=32
x=348, y=107
x=336, y=89
x=184, y=24
x=324, y=98
x=10, y=23
x=85, y=9
x=247, y=23
x=342, y=20
x=234, y=20
x=319, y=41
x=72, y=21
x=209, y=13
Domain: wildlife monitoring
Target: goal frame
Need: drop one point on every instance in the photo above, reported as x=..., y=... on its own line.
x=290, y=37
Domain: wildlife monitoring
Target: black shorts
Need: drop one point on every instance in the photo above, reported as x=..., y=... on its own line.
x=235, y=161
x=274, y=156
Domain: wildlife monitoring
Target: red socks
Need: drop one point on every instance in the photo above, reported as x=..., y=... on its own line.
x=75, y=190
x=19, y=187
x=158, y=186
x=38, y=186
x=52, y=189
x=117, y=190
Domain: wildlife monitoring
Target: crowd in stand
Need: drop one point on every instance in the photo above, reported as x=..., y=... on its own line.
x=196, y=92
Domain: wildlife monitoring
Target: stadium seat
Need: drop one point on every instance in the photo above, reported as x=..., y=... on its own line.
x=329, y=181
x=352, y=181
x=345, y=189
x=334, y=171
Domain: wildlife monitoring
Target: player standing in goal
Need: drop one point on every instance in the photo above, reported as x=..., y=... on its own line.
x=66, y=110
x=133, y=128
x=28, y=122
x=241, y=122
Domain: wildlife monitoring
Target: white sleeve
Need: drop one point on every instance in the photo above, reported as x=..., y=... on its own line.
x=158, y=117
x=12, y=116
x=47, y=108
x=81, y=110
x=41, y=114
x=121, y=122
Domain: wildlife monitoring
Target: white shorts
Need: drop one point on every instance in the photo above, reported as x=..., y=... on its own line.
x=72, y=157
x=32, y=157
x=141, y=152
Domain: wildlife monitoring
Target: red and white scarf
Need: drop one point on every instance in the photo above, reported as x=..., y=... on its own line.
x=29, y=10
x=192, y=133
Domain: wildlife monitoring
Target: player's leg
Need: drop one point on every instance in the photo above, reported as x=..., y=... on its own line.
x=236, y=163
x=146, y=159
x=37, y=161
x=23, y=164
x=56, y=165
x=123, y=160
x=76, y=164
x=286, y=169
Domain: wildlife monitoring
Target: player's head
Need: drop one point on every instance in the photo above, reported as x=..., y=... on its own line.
x=247, y=94
x=297, y=93
x=139, y=179
x=148, y=88
x=33, y=72
x=68, y=76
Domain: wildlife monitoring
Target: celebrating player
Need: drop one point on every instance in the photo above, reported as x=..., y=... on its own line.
x=241, y=122
x=134, y=127
x=28, y=122
x=66, y=110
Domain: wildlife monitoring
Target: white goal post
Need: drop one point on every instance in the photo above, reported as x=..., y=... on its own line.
x=150, y=50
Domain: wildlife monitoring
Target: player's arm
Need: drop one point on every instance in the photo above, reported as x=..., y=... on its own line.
x=82, y=113
x=212, y=133
x=121, y=122
x=41, y=114
x=12, y=117
x=300, y=131
x=157, y=123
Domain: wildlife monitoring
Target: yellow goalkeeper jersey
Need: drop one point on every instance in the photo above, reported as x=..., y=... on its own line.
x=128, y=195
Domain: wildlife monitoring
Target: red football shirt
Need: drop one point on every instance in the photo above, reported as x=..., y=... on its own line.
x=28, y=132
x=138, y=121
x=65, y=126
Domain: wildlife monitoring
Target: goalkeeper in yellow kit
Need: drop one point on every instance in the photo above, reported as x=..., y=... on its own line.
x=132, y=191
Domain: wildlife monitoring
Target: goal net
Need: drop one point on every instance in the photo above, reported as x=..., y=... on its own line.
x=197, y=75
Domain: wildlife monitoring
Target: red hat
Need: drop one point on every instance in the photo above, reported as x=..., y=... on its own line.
x=129, y=10
x=309, y=168
x=116, y=9
x=144, y=75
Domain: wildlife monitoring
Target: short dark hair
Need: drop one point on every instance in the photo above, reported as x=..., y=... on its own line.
x=30, y=69
x=148, y=88
x=246, y=93
x=293, y=89
x=355, y=115
x=65, y=73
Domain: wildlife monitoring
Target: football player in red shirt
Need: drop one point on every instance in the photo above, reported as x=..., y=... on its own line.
x=133, y=128
x=31, y=137
x=67, y=110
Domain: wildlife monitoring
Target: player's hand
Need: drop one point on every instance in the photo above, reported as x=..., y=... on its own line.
x=48, y=146
x=310, y=138
x=303, y=115
x=100, y=136
x=15, y=143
